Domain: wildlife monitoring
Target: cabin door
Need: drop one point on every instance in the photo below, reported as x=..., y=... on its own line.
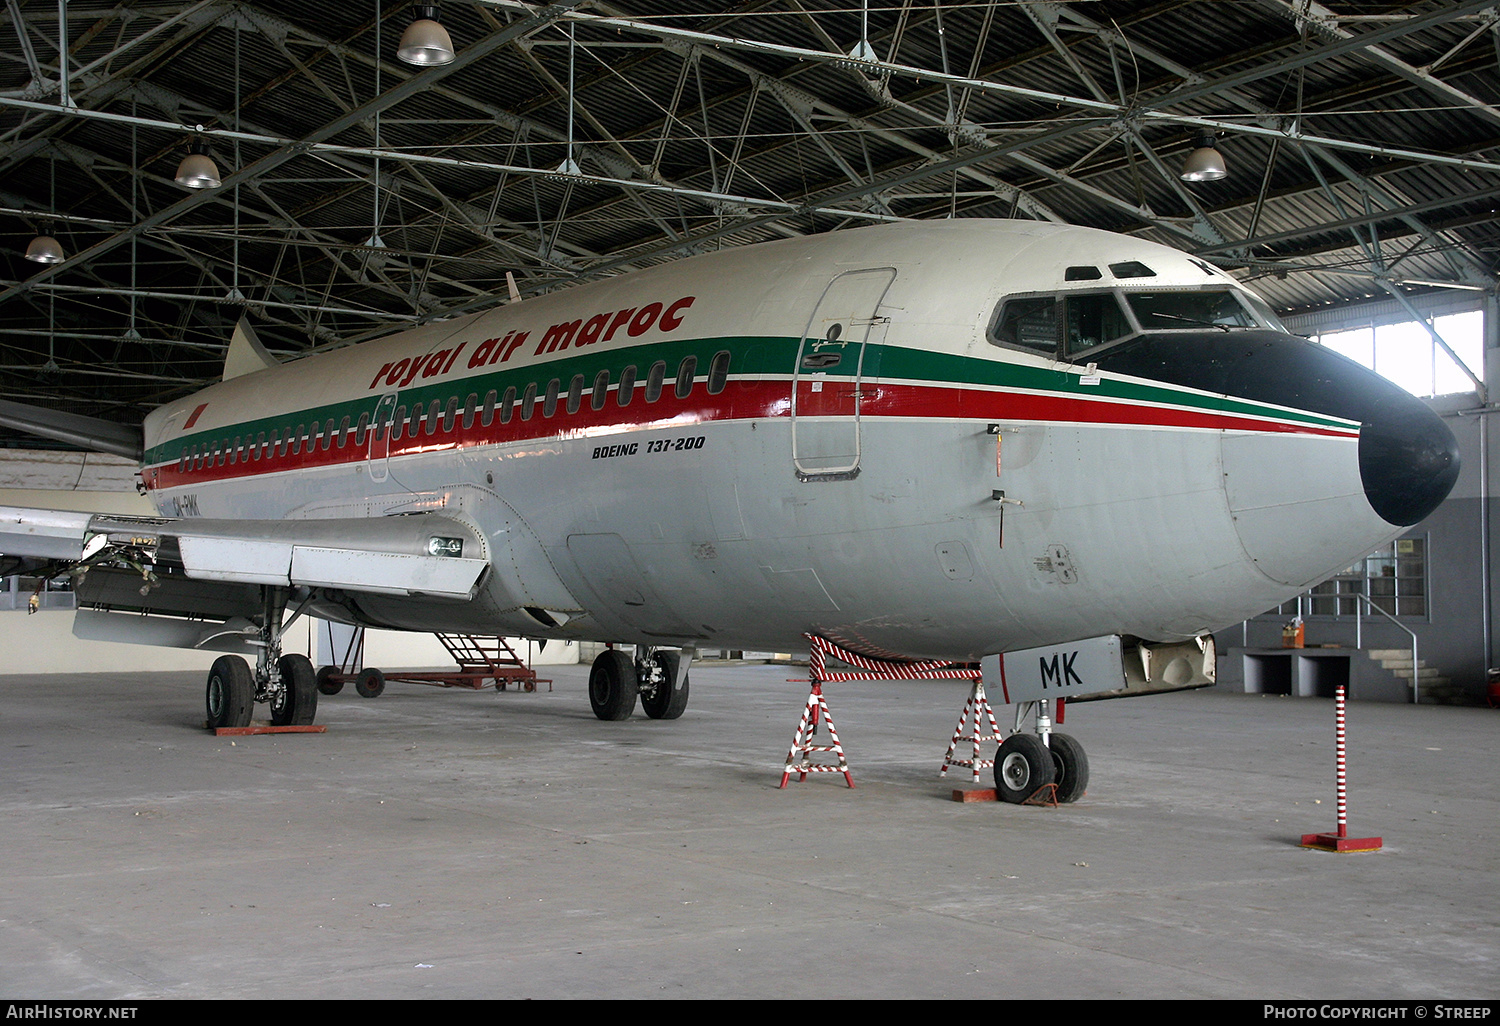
x=830, y=368
x=380, y=437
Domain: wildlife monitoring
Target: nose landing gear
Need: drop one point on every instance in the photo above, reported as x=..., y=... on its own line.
x=1027, y=763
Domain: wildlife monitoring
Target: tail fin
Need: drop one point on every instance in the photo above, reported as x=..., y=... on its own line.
x=246, y=355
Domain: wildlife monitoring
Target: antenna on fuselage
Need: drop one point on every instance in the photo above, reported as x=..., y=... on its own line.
x=510, y=284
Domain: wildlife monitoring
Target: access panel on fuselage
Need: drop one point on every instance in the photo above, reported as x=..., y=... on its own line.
x=830, y=368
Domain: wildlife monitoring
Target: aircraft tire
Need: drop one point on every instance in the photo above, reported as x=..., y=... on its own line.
x=1072, y=766
x=299, y=692
x=231, y=692
x=666, y=702
x=370, y=683
x=612, y=686
x=1023, y=766
x=326, y=684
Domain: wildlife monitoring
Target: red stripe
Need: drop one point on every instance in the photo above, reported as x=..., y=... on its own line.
x=745, y=400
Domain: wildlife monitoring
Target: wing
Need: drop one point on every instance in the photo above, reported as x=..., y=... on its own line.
x=413, y=554
x=199, y=582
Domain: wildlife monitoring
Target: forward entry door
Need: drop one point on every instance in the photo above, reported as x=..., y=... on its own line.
x=830, y=369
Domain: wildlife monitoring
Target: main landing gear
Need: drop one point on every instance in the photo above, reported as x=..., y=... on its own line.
x=1028, y=762
x=657, y=676
x=287, y=682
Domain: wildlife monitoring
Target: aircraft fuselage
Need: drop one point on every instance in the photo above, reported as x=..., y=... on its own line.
x=860, y=435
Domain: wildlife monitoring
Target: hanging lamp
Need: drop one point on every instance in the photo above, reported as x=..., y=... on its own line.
x=198, y=170
x=425, y=42
x=1205, y=163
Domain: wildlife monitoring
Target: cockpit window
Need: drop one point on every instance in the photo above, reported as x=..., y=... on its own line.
x=1093, y=320
x=1029, y=322
x=1131, y=269
x=1079, y=321
x=1162, y=310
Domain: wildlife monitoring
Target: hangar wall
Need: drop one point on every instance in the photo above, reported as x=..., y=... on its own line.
x=43, y=642
x=1456, y=637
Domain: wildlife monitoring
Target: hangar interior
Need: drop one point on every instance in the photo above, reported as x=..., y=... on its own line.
x=167, y=169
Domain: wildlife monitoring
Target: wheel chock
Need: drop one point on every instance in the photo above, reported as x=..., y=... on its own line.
x=979, y=794
x=310, y=728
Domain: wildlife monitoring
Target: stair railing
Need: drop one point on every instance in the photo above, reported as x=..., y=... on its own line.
x=1416, y=678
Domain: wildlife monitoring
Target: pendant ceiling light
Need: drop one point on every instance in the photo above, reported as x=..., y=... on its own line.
x=1205, y=163
x=425, y=41
x=44, y=249
x=198, y=170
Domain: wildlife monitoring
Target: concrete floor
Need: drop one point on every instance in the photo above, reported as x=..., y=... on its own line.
x=464, y=845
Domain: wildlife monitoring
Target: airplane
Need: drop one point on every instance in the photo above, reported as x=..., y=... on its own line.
x=956, y=440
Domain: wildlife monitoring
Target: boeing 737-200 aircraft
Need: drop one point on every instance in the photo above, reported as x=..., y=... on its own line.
x=953, y=440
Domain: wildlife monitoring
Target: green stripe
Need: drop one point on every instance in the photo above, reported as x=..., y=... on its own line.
x=751, y=355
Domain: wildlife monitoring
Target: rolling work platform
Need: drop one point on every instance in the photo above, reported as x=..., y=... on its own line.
x=483, y=660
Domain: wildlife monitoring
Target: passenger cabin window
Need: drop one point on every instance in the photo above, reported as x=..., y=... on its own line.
x=654, y=380
x=718, y=372
x=488, y=416
x=451, y=413
x=528, y=402
x=508, y=405
x=627, y=386
x=549, y=405
x=575, y=393
x=685, y=371
x=434, y=412
x=471, y=407
x=601, y=390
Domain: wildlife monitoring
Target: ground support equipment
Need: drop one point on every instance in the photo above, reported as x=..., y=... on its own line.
x=976, y=707
x=265, y=728
x=1339, y=840
x=798, y=760
x=482, y=661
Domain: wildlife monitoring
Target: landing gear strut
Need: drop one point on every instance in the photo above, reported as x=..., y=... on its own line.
x=1028, y=762
x=657, y=676
x=287, y=682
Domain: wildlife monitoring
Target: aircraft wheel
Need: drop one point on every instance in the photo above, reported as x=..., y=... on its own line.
x=666, y=702
x=231, y=692
x=298, y=702
x=1072, y=766
x=370, y=682
x=1023, y=766
x=612, y=686
x=326, y=684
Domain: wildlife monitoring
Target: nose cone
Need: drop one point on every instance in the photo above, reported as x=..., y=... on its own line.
x=1408, y=460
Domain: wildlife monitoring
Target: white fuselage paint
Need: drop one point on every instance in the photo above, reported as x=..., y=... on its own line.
x=1152, y=511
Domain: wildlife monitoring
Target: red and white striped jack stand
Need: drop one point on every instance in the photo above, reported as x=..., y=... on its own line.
x=866, y=668
x=1340, y=841
x=977, y=705
x=799, y=759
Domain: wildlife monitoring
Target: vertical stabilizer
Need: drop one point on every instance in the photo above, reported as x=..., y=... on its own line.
x=246, y=355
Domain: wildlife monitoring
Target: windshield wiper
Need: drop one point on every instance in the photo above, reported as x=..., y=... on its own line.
x=1189, y=320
